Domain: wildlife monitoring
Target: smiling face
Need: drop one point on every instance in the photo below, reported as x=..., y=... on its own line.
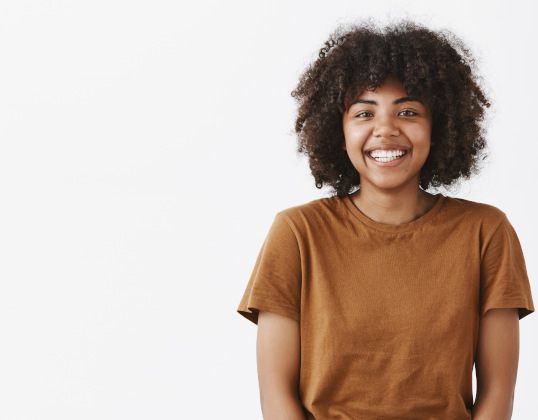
x=387, y=123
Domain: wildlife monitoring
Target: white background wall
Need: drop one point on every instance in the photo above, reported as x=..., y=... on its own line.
x=145, y=148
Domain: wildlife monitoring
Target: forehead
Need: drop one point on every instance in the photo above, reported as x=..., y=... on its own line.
x=390, y=92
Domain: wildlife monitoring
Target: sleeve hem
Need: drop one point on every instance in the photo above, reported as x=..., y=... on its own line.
x=251, y=310
x=524, y=309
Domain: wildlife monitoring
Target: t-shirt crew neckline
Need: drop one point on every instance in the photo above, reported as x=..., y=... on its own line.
x=403, y=227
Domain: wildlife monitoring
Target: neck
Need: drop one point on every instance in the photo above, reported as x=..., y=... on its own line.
x=393, y=207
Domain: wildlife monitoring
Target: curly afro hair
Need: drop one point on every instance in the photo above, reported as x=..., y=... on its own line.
x=434, y=66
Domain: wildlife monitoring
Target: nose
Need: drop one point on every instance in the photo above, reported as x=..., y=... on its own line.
x=386, y=127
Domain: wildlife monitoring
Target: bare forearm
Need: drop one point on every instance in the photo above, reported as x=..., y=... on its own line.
x=495, y=406
x=283, y=407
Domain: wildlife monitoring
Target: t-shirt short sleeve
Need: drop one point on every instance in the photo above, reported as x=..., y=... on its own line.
x=275, y=282
x=504, y=282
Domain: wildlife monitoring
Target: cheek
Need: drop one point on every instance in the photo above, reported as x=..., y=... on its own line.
x=421, y=136
x=355, y=135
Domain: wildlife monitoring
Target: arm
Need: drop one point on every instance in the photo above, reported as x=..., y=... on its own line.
x=496, y=364
x=278, y=356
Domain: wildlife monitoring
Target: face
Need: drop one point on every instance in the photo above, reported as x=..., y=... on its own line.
x=386, y=124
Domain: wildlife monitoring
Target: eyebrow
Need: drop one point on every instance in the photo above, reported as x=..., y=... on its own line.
x=395, y=102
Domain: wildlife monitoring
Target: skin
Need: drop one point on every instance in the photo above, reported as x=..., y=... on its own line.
x=388, y=195
x=496, y=364
x=278, y=361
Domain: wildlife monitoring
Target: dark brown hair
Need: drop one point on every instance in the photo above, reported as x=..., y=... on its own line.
x=434, y=66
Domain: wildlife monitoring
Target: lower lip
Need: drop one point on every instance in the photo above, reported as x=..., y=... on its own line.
x=390, y=163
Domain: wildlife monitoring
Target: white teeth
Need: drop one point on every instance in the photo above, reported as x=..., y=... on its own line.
x=386, y=153
x=384, y=159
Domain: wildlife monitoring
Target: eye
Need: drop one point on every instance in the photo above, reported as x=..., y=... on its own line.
x=409, y=113
x=412, y=112
x=363, y=112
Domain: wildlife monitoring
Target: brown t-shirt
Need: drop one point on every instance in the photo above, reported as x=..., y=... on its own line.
x=388, y=314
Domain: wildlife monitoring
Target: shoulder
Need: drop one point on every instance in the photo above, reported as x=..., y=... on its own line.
x=485, y=214
x=317, y=212
x=479, y=219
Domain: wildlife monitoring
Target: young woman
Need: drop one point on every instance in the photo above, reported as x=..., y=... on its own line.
x=377, y=301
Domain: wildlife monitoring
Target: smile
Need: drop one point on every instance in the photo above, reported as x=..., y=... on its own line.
x=391, y=159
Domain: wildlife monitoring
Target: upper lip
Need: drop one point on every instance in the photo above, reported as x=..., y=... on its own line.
x=386, y=146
